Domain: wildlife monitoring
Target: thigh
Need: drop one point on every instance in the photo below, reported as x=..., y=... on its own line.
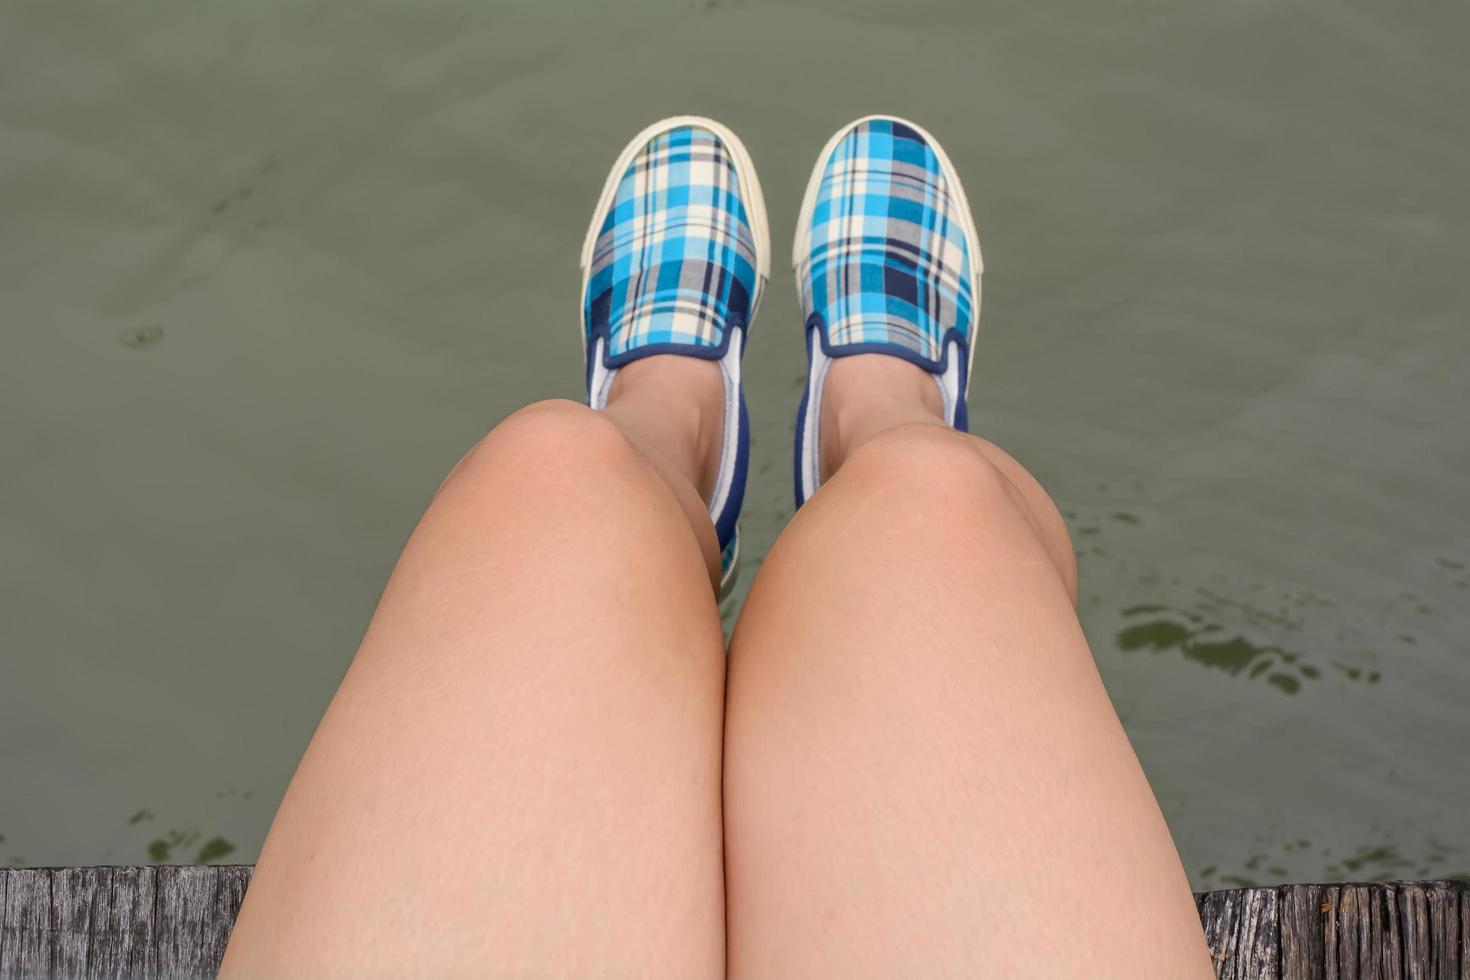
x=923, y=772
x=520, y=774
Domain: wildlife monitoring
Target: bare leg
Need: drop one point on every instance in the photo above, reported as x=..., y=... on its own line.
x=520, y=774
x=923, y=773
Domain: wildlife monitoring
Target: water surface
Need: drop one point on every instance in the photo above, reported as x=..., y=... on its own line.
x=267, y=269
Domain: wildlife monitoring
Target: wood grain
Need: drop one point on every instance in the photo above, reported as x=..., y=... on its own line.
x=103, y=922
x=1303, y=946
x=1364, y=943
x=195, y=913
x=1380, y=931
x=117, y=923
x=1464, y=932
x=25, y=935
x=1242, y=928
x=175, y=921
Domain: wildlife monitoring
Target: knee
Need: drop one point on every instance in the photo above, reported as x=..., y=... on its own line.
x=556, y=440
x=949, y=485
x=928, y=466
x=555, y=428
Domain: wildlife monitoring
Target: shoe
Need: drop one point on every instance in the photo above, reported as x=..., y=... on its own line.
x=887, y=261
x=675, y=262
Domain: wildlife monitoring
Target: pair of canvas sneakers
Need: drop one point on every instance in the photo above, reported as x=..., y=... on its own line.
x=886, y=256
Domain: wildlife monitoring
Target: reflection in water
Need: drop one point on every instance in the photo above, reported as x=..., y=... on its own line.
x=1203, y=643
x=213, y=849
x=1383, y=861
x=176, y=844
x=1140, y=592
x=161, y=850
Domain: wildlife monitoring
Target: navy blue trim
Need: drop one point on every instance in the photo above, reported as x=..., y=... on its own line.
x=818, y=323
x=961, y=407
x=684, y=350
x=733, y=322
x=797, y=443
x=729, y=518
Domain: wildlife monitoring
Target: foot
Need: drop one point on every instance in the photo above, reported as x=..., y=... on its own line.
x=674, y=263
x=888, y=264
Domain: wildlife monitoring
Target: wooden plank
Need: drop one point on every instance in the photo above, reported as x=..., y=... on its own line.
x=130, y=935
x=25, y=925
x=1464, y=931
x=1361, y=938
x=1243, y=931
x=1444, y=930
x=103, y=921
x=1331, y=899
x=128, y=922
x=234, y=880
x=1346, y=961
x=1414, y=923
x=196, y=908
x=1429, y=917
x=1387, y=902
x=1303, y=951
x=78, y=912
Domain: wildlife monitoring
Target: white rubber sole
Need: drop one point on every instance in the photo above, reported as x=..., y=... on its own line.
x=750, y=194
x=799, y=244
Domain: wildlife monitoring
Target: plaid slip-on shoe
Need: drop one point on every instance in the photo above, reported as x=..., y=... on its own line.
x=675, y=262
x=887, y=261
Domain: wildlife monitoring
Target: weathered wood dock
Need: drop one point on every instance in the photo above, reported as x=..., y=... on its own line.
x=174, y=921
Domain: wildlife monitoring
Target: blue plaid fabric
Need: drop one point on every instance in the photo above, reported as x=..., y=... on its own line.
x=675, y=261
x=885, y=261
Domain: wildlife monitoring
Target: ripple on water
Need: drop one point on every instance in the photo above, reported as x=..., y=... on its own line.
x=1161, y=629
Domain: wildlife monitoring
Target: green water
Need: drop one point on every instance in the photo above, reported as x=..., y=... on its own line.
x=266, y=269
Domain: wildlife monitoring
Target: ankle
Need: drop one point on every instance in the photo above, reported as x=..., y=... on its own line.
x=674, y=406
x=865, y=395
